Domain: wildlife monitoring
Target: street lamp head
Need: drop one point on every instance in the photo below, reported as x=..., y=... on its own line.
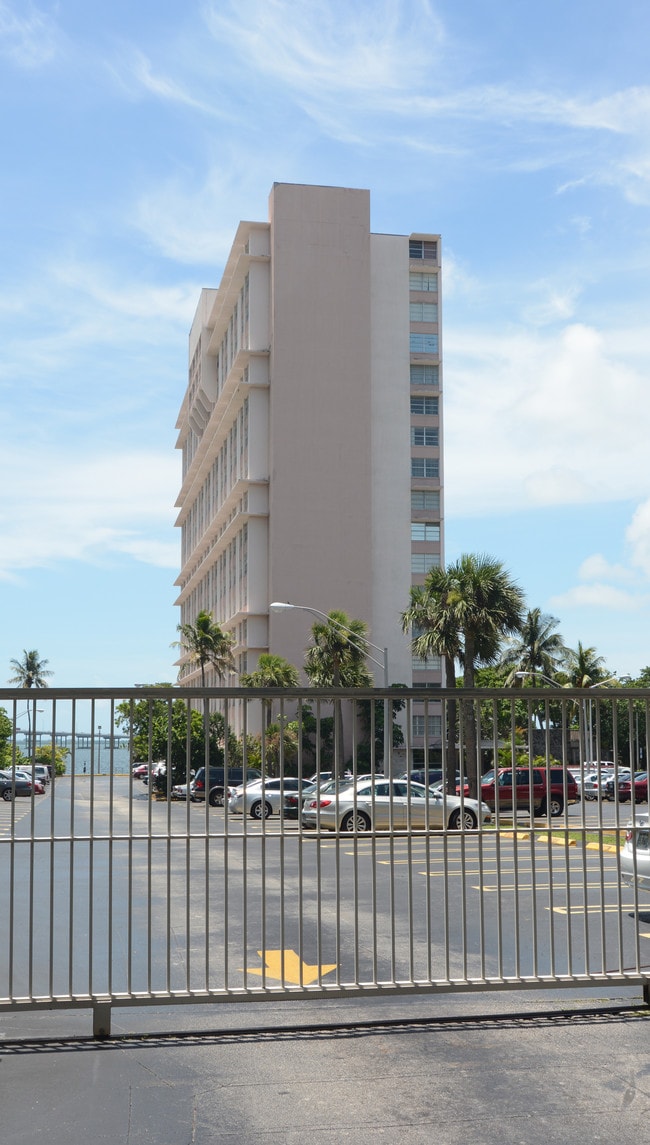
x=521, y=675
x=363, y=642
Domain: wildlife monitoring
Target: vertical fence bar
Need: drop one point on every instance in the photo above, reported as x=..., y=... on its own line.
x=363, y=899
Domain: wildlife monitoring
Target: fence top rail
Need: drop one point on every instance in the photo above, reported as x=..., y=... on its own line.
x=34, y=697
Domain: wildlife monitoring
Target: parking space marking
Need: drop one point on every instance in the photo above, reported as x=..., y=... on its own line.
x=598, y=908
x=557, y=886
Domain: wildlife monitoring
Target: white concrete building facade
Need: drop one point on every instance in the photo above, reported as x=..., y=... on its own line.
x=311, y=430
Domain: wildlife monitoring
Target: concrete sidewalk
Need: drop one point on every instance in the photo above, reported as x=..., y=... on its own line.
x=519, y=1068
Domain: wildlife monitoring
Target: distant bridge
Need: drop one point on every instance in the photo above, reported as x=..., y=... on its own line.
x=79, y=739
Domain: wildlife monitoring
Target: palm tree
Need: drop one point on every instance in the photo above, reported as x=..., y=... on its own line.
x=537, y=650
x=272, y=672
x=585, y=669
x=205, y=642
x=337, y=658
x=436, y=632
x=463, y=613
x=30, y=671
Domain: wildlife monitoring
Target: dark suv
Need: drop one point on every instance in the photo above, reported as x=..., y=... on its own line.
x=499, y=788
x=233, y=777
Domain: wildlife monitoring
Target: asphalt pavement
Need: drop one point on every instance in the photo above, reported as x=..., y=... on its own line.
x=519, y=1068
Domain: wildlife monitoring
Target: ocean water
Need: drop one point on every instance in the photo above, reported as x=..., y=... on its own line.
x=83, y=761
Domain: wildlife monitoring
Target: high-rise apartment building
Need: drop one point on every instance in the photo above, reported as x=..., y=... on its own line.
x=311, y=431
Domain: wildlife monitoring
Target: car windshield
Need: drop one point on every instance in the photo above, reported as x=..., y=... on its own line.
x=488, y=777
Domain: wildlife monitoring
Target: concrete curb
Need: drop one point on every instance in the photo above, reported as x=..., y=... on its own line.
x=559, y=840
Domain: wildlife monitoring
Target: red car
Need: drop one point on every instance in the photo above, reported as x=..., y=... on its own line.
x=640, y=788
x=497, y=787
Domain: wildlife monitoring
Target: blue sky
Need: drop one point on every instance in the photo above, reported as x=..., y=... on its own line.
x=135, y=137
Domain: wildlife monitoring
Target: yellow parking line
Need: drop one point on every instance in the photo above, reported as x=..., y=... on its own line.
x=557, y=886
x=602, y=909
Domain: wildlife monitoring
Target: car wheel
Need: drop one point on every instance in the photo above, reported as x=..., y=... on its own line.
x=261, y=810
x=462, y=818
x=6, y=795
x=556, y=806
x=216, y=797
x=355, y=821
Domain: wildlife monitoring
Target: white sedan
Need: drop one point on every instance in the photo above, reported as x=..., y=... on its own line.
x=634, y=856
x=262, y=797
x=396, y=805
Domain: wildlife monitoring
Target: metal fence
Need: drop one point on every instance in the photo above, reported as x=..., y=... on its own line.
x=116, y=892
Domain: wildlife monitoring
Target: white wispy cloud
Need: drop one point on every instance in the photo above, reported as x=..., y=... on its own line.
x=196, y=224
x=638, y=538
x=530, y=421
x=624, y=112
x=369, y=46
x=82, y=307
x=325, y=51
x=604, y=596
x=91, y=509
x=596, y=567
x=30, y=40
x=136, y=74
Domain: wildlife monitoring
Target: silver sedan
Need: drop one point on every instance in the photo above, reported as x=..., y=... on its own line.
x=635, y=854
x=395, y=805
x=262, y=798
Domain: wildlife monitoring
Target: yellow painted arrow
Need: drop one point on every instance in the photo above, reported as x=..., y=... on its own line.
x=295, y=970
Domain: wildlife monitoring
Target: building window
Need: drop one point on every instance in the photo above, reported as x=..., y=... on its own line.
x=425, y=499
x=424, y=531
x=425, y=375
x=423, y=312
x=424, y=343
x=421, y=248
x=431, y=664
x=423, y=282
x=423, y=562
x=425, y=467
x=433, y=725
x=424, y=406
x=424, y=435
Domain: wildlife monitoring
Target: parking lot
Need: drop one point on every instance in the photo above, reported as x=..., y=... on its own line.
x=120, y=895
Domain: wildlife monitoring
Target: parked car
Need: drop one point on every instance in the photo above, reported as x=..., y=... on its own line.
x=592, y=785
x=140, y=771
x=38, y=770
x=434, y=777
x=367, y=805
x=294, y=800
x=39, y=788
x=11, y=782
x=625, y=784
x=157, y=769
x=641, y=787
x=498, y=787
x=263, y=797
x=218, y=779
x=635, y=854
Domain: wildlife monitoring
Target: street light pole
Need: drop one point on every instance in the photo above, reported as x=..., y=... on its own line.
x=587, y=718
x=362, y=643
x=28, y=713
